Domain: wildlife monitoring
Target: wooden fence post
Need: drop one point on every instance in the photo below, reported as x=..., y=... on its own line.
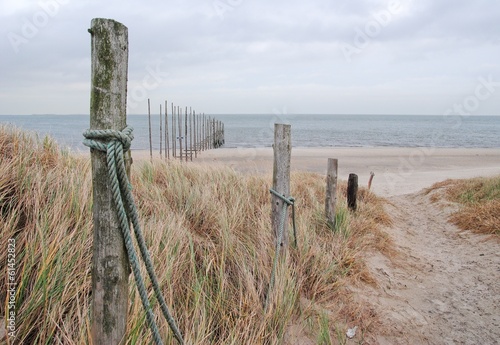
x=370, y=180
x=281, y=176
x=179, y=118
x=110, y=266
x=174, y=135
x=161, y=137
x=331, y=191
x=167, y=145
x=150, y=140
x=352, y=191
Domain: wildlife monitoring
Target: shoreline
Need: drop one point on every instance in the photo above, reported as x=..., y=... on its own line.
x=398, y=170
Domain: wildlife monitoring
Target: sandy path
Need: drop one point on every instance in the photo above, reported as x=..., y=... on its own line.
x=444, y=286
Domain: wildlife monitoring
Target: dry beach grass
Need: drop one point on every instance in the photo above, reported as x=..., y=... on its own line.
x=208, y=230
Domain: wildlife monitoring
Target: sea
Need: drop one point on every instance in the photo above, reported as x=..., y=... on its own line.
x=307, y=130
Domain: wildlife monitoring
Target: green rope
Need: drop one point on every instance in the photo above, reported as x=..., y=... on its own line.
x=115, y=143
x=286, y=203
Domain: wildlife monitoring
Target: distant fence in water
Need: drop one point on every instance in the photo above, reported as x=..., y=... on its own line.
x=185, y=133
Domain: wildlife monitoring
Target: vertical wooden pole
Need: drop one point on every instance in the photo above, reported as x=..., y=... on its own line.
x=161, y=137
x=195, y=135
x=186, y=132
x=179, y=118
x=167, y=144
x=174, y=135
x=370, y=180
x=110, y=267
x=191, y=134
x=281, y=175
x=331, y=191
x=150, y=140
x=352, y=191
x=204, y=132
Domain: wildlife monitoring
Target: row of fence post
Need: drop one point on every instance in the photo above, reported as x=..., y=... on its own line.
x=281, y=181
x=187, y=133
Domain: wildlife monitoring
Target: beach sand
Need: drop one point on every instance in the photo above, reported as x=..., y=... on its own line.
x=397, y=170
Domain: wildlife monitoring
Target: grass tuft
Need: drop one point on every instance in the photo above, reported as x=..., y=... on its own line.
x=480, y=203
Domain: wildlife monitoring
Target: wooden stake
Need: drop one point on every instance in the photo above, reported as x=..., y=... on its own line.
x=161, y=138
x=179, y=118
x=167, y=145
x=150, y=140
x=191, y=133
x=110, y=267
x=174, y=135
x=370, y=180
x=195, y=135
x=281, y=176
x=331, y=191
x=352, y=191
x=186, y=132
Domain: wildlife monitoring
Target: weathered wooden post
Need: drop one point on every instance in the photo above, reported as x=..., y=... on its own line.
x=370, y=180
x=186, y=133
x=110, y=266
x=281, y=176
x=179, y=120
x=161, y=137
x=174, y=135
x=150, y=140
x=191, y=133
x=195, y=131
x=331, y=191
x=167, y=146
x=352, y=191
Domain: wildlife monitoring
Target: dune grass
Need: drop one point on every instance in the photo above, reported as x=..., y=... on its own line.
x=480, y=203
x=208, y=231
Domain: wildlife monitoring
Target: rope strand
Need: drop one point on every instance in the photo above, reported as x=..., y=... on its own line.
x=118, y=143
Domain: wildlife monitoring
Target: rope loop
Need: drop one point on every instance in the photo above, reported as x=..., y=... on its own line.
x=95, y=138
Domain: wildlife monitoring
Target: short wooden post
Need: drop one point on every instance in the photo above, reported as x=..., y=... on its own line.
x=370, y=180
x=352, y=191
x=281, y=176
x=331, y=191
x=110, y=266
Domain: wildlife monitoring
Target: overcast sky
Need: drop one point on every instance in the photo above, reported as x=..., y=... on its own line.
x=260, y=56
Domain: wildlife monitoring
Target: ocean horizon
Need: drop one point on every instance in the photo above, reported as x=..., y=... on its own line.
x=308, y=130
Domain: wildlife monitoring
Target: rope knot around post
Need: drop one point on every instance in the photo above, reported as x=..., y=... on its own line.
x=114, y=144
x=99, y=139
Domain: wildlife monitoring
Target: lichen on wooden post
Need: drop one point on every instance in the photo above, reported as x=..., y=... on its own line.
x=281, y=176
x=110, y=266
